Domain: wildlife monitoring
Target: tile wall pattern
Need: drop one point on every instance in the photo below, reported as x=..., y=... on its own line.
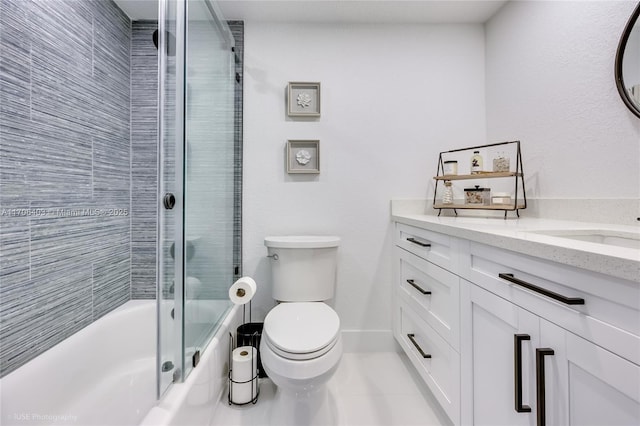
x=237, y=29
x=64, y=170
x=78, y=168
x=144, y=159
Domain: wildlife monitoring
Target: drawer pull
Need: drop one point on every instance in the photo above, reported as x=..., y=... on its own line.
x=545, y=292
x=417, y=287
x=517, y=363
x=540, y=385
x=420, y=243
x=411, y=337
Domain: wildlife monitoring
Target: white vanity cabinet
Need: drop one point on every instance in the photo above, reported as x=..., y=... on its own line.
x=505, y=338
x=427, y=310
x=511, y=354
x=546, y=344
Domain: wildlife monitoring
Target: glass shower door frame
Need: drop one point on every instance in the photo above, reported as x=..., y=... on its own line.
x=173, y=126
x=170, y=357
x=209, y=191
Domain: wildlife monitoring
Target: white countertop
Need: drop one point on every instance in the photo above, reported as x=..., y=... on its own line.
x=517, y=235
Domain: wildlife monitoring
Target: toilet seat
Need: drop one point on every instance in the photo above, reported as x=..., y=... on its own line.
x=301, y=330
x=298, y=356
x=296, y=373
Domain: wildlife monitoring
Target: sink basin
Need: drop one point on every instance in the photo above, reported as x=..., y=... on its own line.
x=599, y=236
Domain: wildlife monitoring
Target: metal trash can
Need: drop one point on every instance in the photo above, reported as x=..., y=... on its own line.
x=249, y=334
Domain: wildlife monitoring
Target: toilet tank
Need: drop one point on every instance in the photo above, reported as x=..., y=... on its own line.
x=303, y=268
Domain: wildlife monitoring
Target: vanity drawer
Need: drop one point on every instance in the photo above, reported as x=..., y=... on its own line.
x=609, y=315
x=435, y=360
x=429, y=245
x=433, y=292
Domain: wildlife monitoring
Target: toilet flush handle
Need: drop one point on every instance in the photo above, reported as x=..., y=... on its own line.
x=274, y=256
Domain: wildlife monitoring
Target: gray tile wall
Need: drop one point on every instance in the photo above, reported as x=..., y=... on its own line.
x=78, y=168
x=237, y=29
x=144, y=158
x=64, y=170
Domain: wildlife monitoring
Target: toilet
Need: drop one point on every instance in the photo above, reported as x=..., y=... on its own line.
x=301, y=343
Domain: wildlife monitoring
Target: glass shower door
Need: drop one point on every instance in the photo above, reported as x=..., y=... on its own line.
x=169, y=246
x=196, y=182
x=209, y=174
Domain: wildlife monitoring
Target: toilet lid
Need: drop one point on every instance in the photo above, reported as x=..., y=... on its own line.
x=301, y=327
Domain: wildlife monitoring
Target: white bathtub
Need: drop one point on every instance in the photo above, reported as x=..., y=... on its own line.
x=194, y=402
x=105, y=375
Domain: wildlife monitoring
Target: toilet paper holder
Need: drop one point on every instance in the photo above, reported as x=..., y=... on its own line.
x=245, y=382
x=255, y=389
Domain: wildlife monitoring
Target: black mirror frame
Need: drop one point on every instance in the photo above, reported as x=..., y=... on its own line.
x=619, y=56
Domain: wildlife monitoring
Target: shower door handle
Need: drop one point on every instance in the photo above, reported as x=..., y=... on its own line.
x=169, y=201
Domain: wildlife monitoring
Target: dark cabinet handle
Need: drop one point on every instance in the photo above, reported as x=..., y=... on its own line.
x=517, y=363
x=540, y=385
x=417, y=287
x=411, y=337
x=543, y=291
x=420, y=243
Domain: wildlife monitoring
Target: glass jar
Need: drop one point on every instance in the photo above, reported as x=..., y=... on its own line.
x=501, y=163
x=477, y=195
x=447, y=196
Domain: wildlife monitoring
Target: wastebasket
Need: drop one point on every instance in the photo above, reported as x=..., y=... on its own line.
x=249, y=334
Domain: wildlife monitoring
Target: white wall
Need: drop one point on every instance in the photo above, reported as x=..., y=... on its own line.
x=392, y=98
x=550, y=83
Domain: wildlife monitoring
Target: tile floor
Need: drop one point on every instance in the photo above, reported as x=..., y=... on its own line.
x=368, y=389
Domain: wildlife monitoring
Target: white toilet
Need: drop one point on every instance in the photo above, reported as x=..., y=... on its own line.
x=301, y=344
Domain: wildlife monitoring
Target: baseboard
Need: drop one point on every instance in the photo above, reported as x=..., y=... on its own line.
x=369, y=341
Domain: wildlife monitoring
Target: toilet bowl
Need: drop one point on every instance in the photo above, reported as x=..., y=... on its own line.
x=301, y=348
x=301, y=344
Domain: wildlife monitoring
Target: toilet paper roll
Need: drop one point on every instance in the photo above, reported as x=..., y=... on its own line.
x=244, y=364
x=242, y=290
x=242, y=393
x=244, y=374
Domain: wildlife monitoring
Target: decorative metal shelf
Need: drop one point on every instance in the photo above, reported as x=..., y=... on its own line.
x=481, y=175
x=518, y=176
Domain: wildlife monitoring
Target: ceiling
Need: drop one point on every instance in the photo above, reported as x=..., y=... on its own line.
x=343, y=11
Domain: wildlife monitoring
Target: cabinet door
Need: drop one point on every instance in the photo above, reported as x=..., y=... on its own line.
x=582, y=383
x=490, y=325
x=586, y=385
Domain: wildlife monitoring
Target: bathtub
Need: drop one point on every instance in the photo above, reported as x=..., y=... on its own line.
x=105, y=375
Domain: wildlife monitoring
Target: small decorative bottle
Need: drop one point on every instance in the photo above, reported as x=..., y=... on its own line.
x=476, y=163
x=447, y=196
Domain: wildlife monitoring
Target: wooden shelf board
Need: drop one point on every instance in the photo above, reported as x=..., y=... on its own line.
x=483, y=175
x=479, y=206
